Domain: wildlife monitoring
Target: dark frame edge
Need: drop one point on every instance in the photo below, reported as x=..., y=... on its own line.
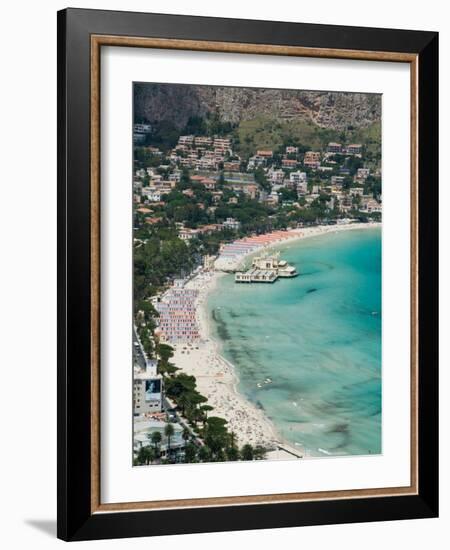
x=61, y=279
x=251, y=517
x=73, y=291
x=428, y=212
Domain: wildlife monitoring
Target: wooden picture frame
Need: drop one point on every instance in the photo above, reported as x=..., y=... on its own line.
x=81, y=35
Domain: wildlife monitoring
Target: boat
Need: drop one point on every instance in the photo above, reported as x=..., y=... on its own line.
x=325, y=452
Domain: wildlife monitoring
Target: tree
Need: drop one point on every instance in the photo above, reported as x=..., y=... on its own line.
x=146, y=455
x=155, y=438
x=347, y=183
x=195, y=125
x=259, y=453
x=247, y=452
x=215, y=434
x=165, y=135
x=232, y=453
x=165, y=352
x=190, y=452
x=260, y=178
x=353, y=163
x=205, y=409
x=168, y=369
x=151, y=455
x=185, y=179
x=140, y=459
x=233, y=439
x=186, y=434
x=372, y=186
x=204, y=453
x=169, y=430
x=287, y=194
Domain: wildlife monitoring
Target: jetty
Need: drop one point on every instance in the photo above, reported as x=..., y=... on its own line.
x=266, y=269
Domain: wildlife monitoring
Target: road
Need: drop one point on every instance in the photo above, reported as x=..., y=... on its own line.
x=138, y=353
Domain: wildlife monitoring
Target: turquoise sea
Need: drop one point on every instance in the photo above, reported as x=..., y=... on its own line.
x=316, y=337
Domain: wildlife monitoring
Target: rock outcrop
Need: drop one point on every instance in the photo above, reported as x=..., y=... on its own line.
x=176, y=103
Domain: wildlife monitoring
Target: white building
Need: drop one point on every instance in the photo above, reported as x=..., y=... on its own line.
x=297, y=177
x=175, y=176
x=222, y=143
x=142, y=128
x=203, y=141
x=354, y=149
x=275, y=176
x=273, y=198
x=152, y=194
x=231, y=223
x=147, y=389
x=187, y=234
x=255, y=162
x=362, y=174
x=300, y=181
x=334, y=147
x=186, y=140
x=337, y=181
x=369, y=205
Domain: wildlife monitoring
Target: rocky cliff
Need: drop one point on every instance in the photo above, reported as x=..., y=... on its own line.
x=176, y=103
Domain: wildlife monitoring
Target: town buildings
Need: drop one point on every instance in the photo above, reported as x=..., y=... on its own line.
x=212, y=162
x=354, y=149
x=312, y=159
x=334, y=147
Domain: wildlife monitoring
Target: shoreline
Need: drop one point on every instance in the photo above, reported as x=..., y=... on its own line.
x=289, y=236
x=217, y=378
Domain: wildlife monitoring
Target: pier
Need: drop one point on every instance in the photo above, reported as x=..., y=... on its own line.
x=266, y=269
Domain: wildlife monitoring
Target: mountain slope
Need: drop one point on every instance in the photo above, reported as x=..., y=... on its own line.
x=176, y=103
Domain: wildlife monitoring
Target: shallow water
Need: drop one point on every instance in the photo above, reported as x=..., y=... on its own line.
x=308, y=350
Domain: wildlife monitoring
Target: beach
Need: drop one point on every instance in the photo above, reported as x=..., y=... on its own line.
x=216, y=377
x=233, y=256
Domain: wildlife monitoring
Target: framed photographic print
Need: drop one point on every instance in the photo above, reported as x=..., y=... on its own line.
x=247, y=274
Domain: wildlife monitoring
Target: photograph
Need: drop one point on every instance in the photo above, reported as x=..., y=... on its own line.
x=257, y=274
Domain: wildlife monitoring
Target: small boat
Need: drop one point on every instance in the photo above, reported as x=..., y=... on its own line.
x=324, y=451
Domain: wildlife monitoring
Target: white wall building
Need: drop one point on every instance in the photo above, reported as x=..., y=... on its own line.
x=152, y=194
x=147, y=390
x=231, y=223
x=275, y=176
x=297, y=177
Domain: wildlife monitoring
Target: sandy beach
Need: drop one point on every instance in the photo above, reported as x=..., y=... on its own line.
x=266, y=242
x=216, y=377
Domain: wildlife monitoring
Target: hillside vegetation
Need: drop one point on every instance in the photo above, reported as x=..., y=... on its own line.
x=267, y=133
